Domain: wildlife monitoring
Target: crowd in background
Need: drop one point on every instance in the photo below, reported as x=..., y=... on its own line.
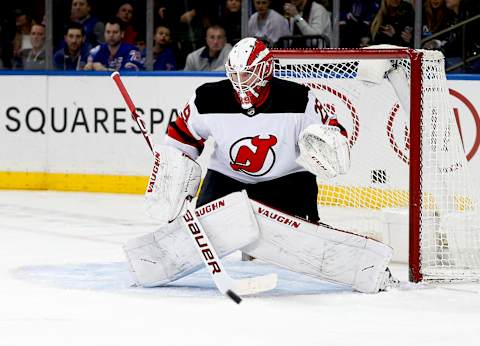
x=198, y=34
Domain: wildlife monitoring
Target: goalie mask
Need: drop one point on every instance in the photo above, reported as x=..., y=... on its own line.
x=249, y=67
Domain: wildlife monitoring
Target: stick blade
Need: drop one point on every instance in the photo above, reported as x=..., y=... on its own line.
x=256, y=284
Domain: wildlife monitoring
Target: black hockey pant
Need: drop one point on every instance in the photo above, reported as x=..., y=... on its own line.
x=294, y=194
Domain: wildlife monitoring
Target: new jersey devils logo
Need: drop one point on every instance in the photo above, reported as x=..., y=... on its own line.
x=253, y=155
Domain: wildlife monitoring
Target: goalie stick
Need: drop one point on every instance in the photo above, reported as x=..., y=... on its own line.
x=224, y=282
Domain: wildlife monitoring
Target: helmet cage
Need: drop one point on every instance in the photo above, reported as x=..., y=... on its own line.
x=249, y=80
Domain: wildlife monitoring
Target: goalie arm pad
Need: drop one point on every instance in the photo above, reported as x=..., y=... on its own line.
x=175, y=177
x=324, y=150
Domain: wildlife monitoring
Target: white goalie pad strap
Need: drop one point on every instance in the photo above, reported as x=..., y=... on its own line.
x=324, y=151
x=169, y=254
x=400, y=80
x=319, y=251
x=174, y=178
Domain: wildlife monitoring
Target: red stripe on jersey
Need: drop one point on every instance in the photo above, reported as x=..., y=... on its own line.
x=182, y=125
x=334, y=122
x=179, y=131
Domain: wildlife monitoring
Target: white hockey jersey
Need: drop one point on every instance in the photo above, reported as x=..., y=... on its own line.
x=248, y=148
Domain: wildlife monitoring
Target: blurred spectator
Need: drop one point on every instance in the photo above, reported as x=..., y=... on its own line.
x=473, y=6
x=93, y=27
x=267, y=24
x=114, y=55
x=186, y=20
x=393, y=24
x=434, y=17
x=22, y=41
x=34, y=58
x=231, y=20
x=454, y=45
x=2, y=43
x=326, y=3
x=212, y=57
x=74, y=56
x=163, y=54
x=355, y=19
x=307, y=17
x=125, y=13
x=212, y=12
x=7, y=35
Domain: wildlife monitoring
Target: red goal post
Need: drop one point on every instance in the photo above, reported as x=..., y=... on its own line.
x=426, y=177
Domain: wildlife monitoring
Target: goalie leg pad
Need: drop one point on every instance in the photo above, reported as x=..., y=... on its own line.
x=168, y=254
x=319, y=251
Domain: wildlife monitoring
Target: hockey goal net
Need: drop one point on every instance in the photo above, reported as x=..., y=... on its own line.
x=406, y=151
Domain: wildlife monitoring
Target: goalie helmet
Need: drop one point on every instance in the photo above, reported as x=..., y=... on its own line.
x=249, y=67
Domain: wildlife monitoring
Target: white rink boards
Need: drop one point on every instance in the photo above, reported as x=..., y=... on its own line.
x=79, y=124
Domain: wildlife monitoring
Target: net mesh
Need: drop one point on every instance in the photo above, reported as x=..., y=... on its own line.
x=371, y=99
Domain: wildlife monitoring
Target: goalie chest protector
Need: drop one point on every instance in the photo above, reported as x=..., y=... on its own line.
x=258, y=147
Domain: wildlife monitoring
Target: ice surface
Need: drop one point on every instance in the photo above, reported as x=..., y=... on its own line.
x=64, y=281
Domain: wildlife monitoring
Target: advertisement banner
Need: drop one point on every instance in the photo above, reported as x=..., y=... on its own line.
x=59, y=126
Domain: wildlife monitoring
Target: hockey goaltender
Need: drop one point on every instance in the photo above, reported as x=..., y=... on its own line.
x=272, y=138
